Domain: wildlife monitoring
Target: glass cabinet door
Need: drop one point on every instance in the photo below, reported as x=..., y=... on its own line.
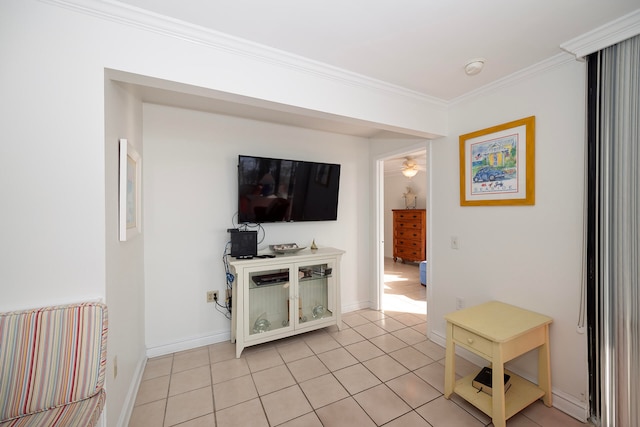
x=315, y=292
x=268, y=304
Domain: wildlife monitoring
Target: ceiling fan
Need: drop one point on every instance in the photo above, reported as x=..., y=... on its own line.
x=409, y=168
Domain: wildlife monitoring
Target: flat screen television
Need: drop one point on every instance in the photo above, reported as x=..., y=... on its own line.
x=279, y=190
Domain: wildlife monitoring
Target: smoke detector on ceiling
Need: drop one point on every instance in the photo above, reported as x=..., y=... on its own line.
x=474, y=66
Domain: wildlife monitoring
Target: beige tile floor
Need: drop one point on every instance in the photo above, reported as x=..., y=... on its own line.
x=378, y=370
x=402, y=289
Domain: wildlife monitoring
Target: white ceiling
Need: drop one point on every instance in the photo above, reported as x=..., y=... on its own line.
x=421, y=45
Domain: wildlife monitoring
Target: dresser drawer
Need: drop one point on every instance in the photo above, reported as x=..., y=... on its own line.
x=408, y=225
x=472, y=341
x=409, y=215
x=408, y=234
x=409, y=244
x=409, y=254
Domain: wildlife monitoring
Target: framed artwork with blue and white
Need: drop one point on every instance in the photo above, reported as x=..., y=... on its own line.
x=497, y=165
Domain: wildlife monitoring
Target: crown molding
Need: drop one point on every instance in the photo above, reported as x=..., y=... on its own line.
x=517, y=77
x=604, y=36
x=577, y=48
x=142, y=19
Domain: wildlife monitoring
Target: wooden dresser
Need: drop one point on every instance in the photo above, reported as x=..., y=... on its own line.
x=410, y=234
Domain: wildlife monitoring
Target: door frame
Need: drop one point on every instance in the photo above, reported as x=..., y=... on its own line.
x=377, y=290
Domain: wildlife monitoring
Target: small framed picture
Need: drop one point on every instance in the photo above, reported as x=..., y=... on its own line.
x=130, y=215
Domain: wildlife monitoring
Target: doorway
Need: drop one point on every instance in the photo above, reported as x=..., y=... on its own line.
x=399, y=286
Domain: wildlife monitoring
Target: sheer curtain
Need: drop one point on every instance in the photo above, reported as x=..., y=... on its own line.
x=613, y=241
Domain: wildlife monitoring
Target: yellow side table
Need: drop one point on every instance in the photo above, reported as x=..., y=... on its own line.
x=499, y=332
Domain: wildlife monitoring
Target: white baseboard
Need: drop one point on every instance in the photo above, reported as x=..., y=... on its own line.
x=356, y=306
x=130, y=401
x=561, y=400
x=188, y=344
x=570, y=405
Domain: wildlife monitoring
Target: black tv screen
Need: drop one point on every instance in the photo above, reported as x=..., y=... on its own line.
x=279, y=190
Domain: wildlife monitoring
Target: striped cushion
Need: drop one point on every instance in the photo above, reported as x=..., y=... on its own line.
x=50, y=357
x=83, y=413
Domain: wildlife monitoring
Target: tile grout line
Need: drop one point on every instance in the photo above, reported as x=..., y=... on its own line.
x=213, y=396
x=166, y=399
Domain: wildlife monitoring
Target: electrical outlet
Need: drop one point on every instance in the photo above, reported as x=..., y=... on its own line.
x=459, y=303
x=455, y=243
x=212, y=296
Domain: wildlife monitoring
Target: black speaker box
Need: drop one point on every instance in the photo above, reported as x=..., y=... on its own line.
x=244, y=244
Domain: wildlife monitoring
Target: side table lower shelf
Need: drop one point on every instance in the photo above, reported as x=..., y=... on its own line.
x=521, y=394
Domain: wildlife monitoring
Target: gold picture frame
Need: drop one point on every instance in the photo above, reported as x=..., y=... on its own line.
x=497, y=165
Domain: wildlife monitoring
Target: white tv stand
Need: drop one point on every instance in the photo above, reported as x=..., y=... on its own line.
x=274, y=298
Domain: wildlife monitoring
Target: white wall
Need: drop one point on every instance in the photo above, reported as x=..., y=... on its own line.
x=190, y=199
x=124, y=261
x=52, y=165
x=55, y=167
x=529, y=256
x=51, y=162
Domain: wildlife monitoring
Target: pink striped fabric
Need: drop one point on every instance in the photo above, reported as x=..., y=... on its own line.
x=83, y=413
x=51, y=357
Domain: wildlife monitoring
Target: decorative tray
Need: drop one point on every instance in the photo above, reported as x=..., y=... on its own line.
x=286, y=248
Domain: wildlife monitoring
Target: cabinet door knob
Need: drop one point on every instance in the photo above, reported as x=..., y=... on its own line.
x=470, y=340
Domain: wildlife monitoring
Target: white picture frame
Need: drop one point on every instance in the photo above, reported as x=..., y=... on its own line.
x=130, y=207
